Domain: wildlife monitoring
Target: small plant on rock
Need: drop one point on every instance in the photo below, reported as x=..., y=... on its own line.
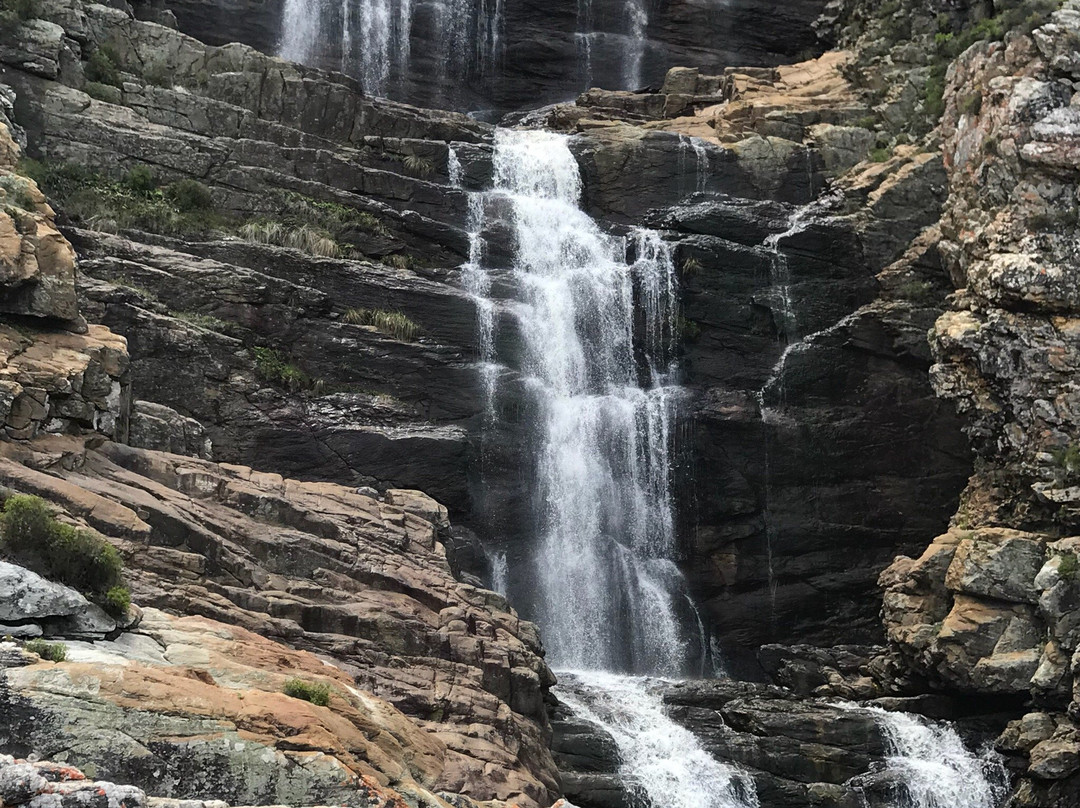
x=312, y=240
x=101, y=67
x=1067, y=460
x=51, y=651
x=392, y=323
x=75, y=557
x=117, y=601
x=274, y=366
x=317, y=693
x=1068, y=567
x=971, y=104
x=418, y=165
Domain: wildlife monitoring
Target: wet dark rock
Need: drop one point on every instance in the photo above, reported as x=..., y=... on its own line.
x=541, y=51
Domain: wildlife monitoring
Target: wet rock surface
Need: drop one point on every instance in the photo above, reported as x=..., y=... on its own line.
x=544, y=55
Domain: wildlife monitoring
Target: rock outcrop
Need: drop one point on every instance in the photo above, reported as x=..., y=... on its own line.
x=987, y=609
x=361, y=581
x=37, y=264
x=723, y=168
x=436, y=685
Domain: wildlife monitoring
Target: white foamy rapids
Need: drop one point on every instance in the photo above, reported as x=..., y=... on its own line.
x=610, y=596
x=932, y=766
x=660, y=760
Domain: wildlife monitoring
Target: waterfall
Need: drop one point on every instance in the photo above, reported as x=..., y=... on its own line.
x=373, y=38
x=602, y=398
x=637, y=20
x=499, y=572
x=660, y=760
x=928, y=765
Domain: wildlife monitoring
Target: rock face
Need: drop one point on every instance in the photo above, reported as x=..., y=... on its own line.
x=988, y=607
x=321, y=568
x=529, y=56
x=805, y=337
x=37, y=264
x=774, y=551
x=191, y=709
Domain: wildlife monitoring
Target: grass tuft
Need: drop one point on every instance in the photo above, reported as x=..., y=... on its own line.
x=51, y=651
x=392, y=323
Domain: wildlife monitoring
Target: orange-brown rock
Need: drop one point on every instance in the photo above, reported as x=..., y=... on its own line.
x=37, y=264
x=362, y=582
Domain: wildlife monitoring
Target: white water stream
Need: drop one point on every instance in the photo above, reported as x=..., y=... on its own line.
x=931, y=767
x=609, y=595
x=661, y=760
x=373, y=39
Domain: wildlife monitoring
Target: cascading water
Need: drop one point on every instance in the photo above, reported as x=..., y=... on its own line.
x=373, y=37
x=371, y=40
x=661, y=761
x=928, y=765
x=610, y=596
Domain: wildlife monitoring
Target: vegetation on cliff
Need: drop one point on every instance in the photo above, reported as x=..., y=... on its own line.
x=75, y=557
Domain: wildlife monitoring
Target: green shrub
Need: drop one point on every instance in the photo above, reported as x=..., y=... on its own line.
x=78, y=558
x=102, y=68
x=934, y=91
x=971, y=104
x=136, y=203
x=16, y=191
x=918, y=291
x=103, y=92
x=141, y=180
x=190, y=196
x=990, y=144
x=880, y=155
x=159, y=75
x=51, y=651
x=392, y=323
x=117, y=601
x=1068, y=566
x=690, y=331
x=12, y=12
x=275, y=367
x=316, y=693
